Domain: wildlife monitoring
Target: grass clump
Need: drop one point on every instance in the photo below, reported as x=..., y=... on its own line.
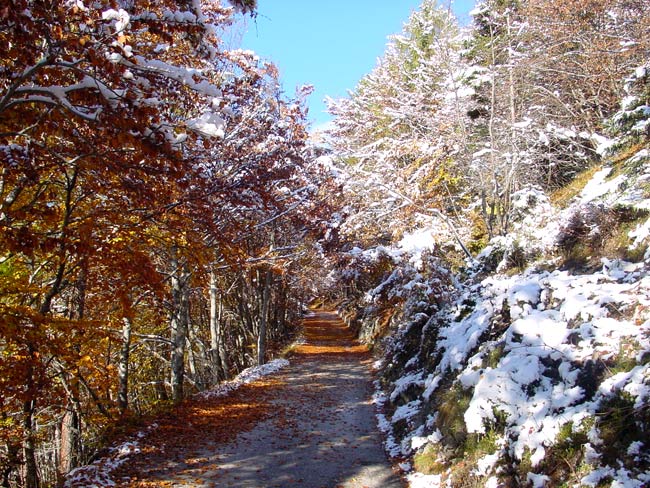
x=462, y=450
x=479, y=445
x=620, y=425
x=479, y=236
x=564, y=460
x=430, y=461
x=464, y=472
x=493, y=356
x=453, y=402
x=594, y=231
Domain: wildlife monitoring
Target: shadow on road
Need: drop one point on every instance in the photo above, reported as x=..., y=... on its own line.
x=312, y=425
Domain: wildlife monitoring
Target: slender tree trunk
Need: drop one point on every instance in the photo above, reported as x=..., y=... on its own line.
x=489, y=209
x=511, y=177
x=123, y=366
x=249, y=326
x=30, y=468
x=191, y=358
x=214, y=328
x=223, y=354
x=179, y=326
x=261, y=338
x=214, y=312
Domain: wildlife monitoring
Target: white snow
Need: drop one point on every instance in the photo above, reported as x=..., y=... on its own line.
x=97, y=474
x=417, y=442
x=247, y=376
x=419, y=480
x=416, y=243
x=121, y=18
x=603, y=144
x=406, y=411
x=599, y=186
x=537, y=480
x=208, y=125
x=403, y=383
x=486, y=464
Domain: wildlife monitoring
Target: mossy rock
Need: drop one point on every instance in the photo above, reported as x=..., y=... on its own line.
x=451, y=405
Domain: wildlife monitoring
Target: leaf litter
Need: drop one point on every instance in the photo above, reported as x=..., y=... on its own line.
x=182, y=447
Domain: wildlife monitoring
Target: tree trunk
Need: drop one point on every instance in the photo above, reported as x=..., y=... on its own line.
x=261, y=338
x=244, y=304
x=179, y=326
x=123, y=367
x=70, y=440
x=30, y=469
x=191, y=359
x=214, y=329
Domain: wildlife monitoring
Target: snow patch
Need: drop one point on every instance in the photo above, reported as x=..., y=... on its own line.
x=208, y=125
x=419, y=480
x=246, y=376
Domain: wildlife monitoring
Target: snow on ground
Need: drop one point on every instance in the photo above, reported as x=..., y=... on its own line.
x=98, y=474
x=558, y=323
x=523, y=345
x=419, y=480
x=573, y=323
x=247, y=376
x=379, y=399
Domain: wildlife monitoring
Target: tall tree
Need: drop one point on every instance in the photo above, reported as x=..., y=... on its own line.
x=402, y=124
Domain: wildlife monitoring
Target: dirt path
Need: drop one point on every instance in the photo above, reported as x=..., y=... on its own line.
x=311, y=425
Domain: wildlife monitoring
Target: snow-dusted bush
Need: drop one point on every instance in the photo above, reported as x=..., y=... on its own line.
x=587, y=226
x=632, y=121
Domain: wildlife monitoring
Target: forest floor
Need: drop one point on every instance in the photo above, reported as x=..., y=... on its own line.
x=311, y=425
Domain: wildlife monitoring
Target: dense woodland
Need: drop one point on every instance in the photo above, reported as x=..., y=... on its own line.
x=166, y=220
x=158, y=206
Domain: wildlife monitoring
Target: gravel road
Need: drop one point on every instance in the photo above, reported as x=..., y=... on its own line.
x=316, y=428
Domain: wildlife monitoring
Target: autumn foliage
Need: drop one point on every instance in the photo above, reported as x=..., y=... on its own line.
x=140, y=157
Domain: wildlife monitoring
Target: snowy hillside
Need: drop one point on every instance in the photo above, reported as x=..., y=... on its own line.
x=530, y=366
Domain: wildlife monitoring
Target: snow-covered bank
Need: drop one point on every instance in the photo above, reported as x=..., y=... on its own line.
x=532, y=366
x=523, y=369
x=247, y=376
x=540, y=355
x=98, y=474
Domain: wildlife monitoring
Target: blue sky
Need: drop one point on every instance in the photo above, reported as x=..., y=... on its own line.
x=330, y=44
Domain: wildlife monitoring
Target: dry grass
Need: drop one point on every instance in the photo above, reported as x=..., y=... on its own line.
x=562, y=196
